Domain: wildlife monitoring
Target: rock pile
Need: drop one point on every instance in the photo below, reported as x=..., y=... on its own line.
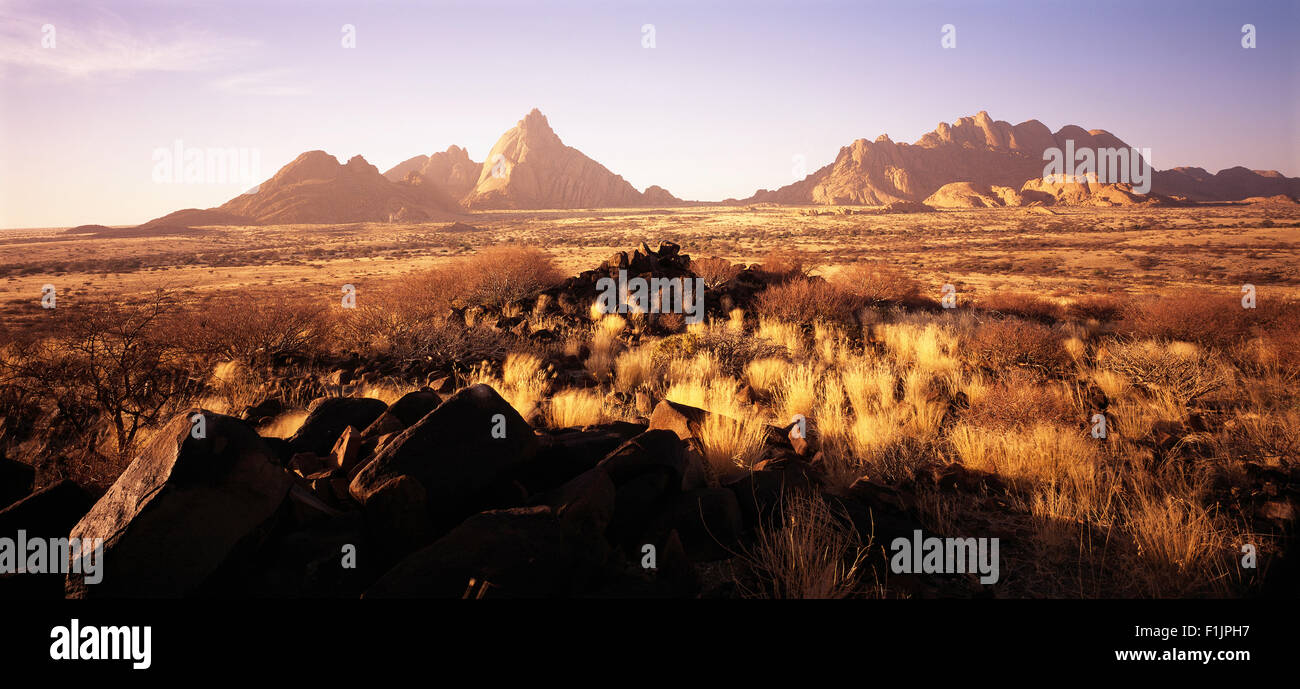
x=437, y=495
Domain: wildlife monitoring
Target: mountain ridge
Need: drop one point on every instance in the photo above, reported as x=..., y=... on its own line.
x=991, y=162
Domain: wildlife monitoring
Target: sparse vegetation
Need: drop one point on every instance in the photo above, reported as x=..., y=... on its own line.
x=1198, y=395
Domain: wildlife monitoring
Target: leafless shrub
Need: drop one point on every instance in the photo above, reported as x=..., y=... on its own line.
x=714, y=271
x=808, y=300
x=1022, y=305
x=878, y=281
x=254, y=328
x=498, y=275
x=1004, y=343
x=1186, y=372
x=108, y=360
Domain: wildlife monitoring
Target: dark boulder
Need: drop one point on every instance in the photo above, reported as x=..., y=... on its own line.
x=564, y=454
x=328, y=417
x=403, y=414
x=469, y=445
x=759, y=492
x=184, y=508
x=49, y=513
x=647, y=474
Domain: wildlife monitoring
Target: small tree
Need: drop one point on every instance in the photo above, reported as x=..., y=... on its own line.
x=109, y=357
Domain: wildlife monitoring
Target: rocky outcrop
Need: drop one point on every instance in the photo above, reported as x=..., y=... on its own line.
x=530, y=168
x=451, y=171
x=438, y=471
x=1085, y=192
x=983, y=153
x=970, y=195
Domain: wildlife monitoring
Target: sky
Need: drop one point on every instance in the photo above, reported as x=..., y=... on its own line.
x=730, y=98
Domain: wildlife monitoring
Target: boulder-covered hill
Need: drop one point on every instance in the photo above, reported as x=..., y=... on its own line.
x=1041, y=192
x=978, y=150
x=986, y=153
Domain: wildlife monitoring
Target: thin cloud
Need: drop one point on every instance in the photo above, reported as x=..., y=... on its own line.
x=107, y=46
x=266, y=83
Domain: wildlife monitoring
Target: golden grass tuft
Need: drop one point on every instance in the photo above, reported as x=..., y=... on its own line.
x=809, y=552
x=572, y=407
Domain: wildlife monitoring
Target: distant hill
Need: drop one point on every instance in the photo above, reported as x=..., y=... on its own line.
x=315, y=188
x=985, y=154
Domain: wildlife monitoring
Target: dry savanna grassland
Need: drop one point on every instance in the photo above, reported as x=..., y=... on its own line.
x=979, y=420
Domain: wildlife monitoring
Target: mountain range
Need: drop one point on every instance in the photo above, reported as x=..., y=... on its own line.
x=976, y=161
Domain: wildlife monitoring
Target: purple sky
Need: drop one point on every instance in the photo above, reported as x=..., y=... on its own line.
x=722, y=104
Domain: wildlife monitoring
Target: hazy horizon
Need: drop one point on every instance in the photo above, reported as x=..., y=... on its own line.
x=718, y=108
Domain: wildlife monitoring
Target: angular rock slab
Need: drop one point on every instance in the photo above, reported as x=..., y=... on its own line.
x=183, y=508
x=454, y=453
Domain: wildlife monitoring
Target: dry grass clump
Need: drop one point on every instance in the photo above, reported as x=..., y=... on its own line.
x=788, y=336
x=718, y=394
x=869, y=385
x=1182, y=547
x=523, y=382
x=604, y=345
x=572, y=407
x=284, y=425
x=764, y=375
x=808, y=300
x=732, y=443
x=1041, y=453
x=809, y=551
x=635, y=368
x=928, y=347
x=796, y=393
x=233, y=387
